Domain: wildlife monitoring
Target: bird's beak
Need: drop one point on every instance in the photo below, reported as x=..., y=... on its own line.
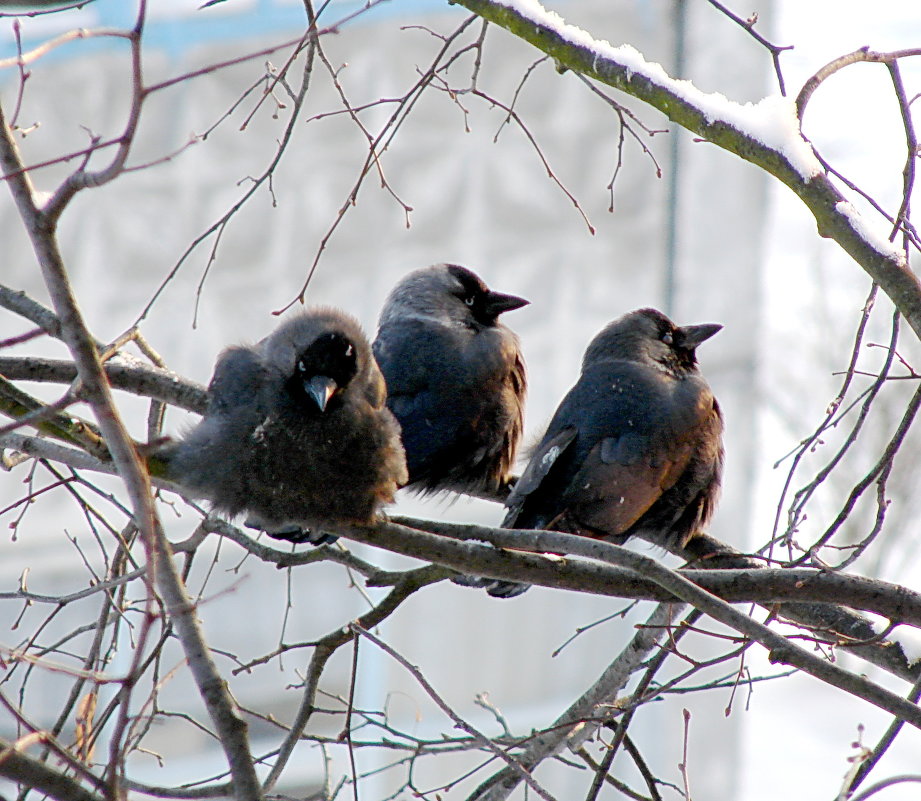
x=321, y=389
x=496, y=303
x=690, y=336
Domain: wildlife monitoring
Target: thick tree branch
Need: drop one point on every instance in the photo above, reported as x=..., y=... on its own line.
x=404, y=540
x=48, y=419
x=750, y=582
x=23, y=769
x=767, y=134
x=793, y=599
x=20, y=303
x=804, y=596
x=123, y=372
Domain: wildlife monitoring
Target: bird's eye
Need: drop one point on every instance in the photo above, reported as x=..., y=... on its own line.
x=470, y=300
x=349, y=350
x=667, y=338
x=301, y=367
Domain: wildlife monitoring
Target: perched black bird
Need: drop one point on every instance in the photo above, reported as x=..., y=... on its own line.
x=634, y=449
x=455, y=379
x=296, y=433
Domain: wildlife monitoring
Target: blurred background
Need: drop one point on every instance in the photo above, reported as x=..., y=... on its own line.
x=708, y=240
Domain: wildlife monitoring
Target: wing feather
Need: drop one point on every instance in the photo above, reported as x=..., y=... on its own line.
x=622, y=437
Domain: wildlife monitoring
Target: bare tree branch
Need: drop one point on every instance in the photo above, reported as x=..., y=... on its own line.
x=522, y=773
x=123, y=373
x=863, y=54
x=18, y=767
x=40, y=227
x=580, y=721
x=749, y=26
x=780, y=648
x=703, y=115
x=327, y=646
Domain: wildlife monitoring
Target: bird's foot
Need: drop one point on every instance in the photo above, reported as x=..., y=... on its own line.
x=497, y=588
x=291, y=532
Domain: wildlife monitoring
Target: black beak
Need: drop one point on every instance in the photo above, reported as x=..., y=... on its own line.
x=321, y=389
x=495, y=303
x=690, y=336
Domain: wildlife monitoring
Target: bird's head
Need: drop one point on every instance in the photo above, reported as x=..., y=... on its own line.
x=314, y=357
x=323, y=370
x=647, y=335
x=448, y=293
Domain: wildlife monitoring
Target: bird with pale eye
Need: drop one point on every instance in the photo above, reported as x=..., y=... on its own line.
x=326, y=367
x=296, y=434
x=635, y=449
x=455, y=380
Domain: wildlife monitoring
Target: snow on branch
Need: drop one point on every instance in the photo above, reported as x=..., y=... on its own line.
x=767, y=133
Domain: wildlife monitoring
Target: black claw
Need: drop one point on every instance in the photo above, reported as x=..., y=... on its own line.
x=298, y=535
x=463, y=580
x=294, y=534
x=497, y=588
x=507, y=589
x=321, y=538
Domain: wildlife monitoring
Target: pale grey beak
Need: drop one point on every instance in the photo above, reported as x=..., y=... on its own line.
x=321, y=389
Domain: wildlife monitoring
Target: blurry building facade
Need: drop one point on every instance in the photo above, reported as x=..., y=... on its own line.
x=688, y=242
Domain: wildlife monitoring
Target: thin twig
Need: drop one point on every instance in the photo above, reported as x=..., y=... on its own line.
x=863, y=54
x=459, y=722
x=883, y=745
x=749, y=26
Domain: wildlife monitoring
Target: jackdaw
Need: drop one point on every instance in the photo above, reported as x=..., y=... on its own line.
x=296, y=432
x=634, y=449
x=455, y=380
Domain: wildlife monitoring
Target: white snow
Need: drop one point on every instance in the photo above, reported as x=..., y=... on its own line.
x=869, y=233
x=910, y=640
x=907, y=637
x=772, y=121
x=550, y=456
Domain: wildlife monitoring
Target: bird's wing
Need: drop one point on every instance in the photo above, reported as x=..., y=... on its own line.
x=622, y=436
x=530, y=504
x=542, y=460
x=208, y=459
x=419, y=363
x=405, y=353
x=238, y=379
x=644, y=453
x=618, y=482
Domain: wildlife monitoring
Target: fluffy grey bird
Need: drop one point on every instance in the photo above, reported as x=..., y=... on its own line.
x=296, y=433
x=455, y=379
x=635, y=448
